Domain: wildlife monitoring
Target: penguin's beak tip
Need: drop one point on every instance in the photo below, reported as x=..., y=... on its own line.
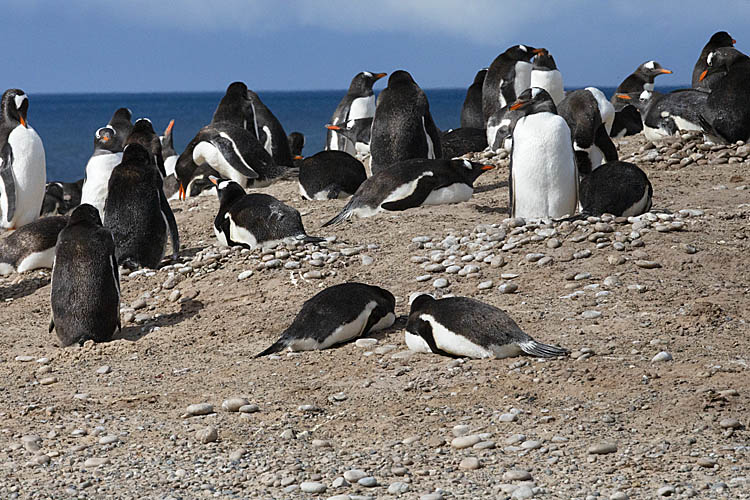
x=667, y=71
x=703, y=75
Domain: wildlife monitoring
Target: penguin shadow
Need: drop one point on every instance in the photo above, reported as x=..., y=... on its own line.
x=136, y=332
x=491, y=187
x=484, y=209
x=397, y=326
x=23, y=288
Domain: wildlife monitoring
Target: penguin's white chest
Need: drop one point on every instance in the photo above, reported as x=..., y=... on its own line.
x=455, y=193
x=208, y=154
x=96, y=186
x=545, y=181
x=343, y=333
x=361, y=107
x=523, y=77
x=29, y=175
x=268, y=145
x=169, y=164
x=551, y=81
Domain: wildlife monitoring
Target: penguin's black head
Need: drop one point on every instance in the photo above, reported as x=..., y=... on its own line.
x=144, y=127
x=534, y=100
x=400, y=77
x=651, y=69
x=722, y=59
x=544, y=60
x=639, y=100
x=471, y=170
x=85, y=214
x=167, y=144
x=104, y=138
x=296, y=143
x=227, y=190
x=235, y=106
x=15, y=105
x=479, y=77
x=722, y=39
x=362, y=83
x=418, y=300
x=237, y=90
x=523, y=52
x=136, y=154
x=121, y=115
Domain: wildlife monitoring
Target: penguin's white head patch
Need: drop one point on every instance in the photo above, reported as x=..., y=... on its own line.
x=224, y=184
x=523, y=47
x=645, y=95
x=708, y=60
x=650, y=65
x=368, y=74
x=535, y=92
x=19, y=100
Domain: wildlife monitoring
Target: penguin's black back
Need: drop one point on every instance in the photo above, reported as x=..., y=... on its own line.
x=502, y=72
x=686, y=103
x=267, y=218
x=143, y=133
x=335, y=171
x=471, y=112
x=727, y=111
x=462, y=140
x=614, y=188
x=280, y=151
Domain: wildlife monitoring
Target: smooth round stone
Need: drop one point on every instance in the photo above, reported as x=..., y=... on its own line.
x=687, y=248
x=618, y=495
x=509, y=276
x=730, y=423
x=197, y=409
x=662, y=356
x=251, y=408
x=321, y=443
x=461, y=430
x=485, y=285
x=348, y=252
x=508, y=417
x=666, y=491
x=108, y=439
x=434, y=268
x=647, y=264
x=292, y=264
x=591, y=314
x=354, y=475
x=581, y=276
x=367, y=260
x=244, y=275
x=706, y=462
x=531, y=445
x=484, y=445
x=368, y=482
x=440, y=283
x=452, y=269
x=312, y=487
x=507, y=288
x=469, y=463
x=432, y=496
x=48, y=380
x=313, y=275
x=24, y=359
x=365, y=342
x=234, y=404
x=96, y=462
x=397, y=488
x=517, y=475
x=207, y=434
x=465, y=441
x=534, y=257
x=424, y=277
x=522, y=492
x=602, y=448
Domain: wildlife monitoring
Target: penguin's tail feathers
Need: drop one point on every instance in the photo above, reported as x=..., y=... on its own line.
x=277, y=346
x=345, y=214
x=534, y=348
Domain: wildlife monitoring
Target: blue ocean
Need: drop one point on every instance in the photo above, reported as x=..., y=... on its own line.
x=67, y=122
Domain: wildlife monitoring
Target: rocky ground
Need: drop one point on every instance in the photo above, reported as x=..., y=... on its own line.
x=652, y=402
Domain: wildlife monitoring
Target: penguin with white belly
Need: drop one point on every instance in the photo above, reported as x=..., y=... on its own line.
x=168, y=152
x=464, y=327
x=99, y=168
x=338, y=314
x=357, y=104
x=618, y=188
x=270, y=132
x=23, y=167
x=413, y=183
x=328, y=175
x=545, y=75
x=543, y=175
x=31, y=246
x=664, y=115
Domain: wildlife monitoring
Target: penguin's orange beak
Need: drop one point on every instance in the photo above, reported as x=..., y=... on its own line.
x=539, y=51
x=734, y=41
x=169, y=127
x=104, y=138
x=378, y=76
x=182, y=192
x=23, y=121
x=623, y=96
x=517, y=105
x=703, y=75
x=333, y=127
x=299, y=157
x=213, y=181
x=666, y=71
x=487, y=167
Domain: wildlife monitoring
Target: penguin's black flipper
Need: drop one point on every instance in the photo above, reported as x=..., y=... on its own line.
x=605, y=144
x=312, y=239
x=425, y=331
x=277, y=346
x=228, y=150
x=6, y=177
x=51, y=325
x=425, y=185
x=583, y=162
x=166, y=210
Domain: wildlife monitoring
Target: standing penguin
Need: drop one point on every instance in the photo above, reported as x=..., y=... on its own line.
x=591, y=141
x=99, y=168
x=726, y=116
x=464, y=327
x=167, y=149
x=137, y=211
x=642, y=78
x=270, y=132
x=143, y=133
x=718, y=40
x=23, y=167
x=508, y=76
x=338, y=314
x=543, y=176
x=545, y=75
x=120, y=123
x=471, y=112
x=85, y=295
x=402, y=127
x=357, y=104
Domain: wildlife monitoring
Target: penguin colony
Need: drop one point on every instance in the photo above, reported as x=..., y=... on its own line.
x=563, y=162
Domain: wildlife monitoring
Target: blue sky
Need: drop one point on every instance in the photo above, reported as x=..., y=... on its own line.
x=195, y=45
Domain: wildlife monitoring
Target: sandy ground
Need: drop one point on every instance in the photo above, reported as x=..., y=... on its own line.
x=68, y=429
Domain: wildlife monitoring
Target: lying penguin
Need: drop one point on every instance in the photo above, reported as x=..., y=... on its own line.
x=338, y=314
x=412, y=183
x=31, y=246
x=618, y=188
x=255, y=219
x=329, y=175
x=464, y=327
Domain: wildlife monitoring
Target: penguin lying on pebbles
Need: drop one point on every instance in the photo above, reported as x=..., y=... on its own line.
x=413, y=183
x=31, y=246
x=464, y=327
x=458, y=142
x=255, y=219
x=618, y=188
x=338, y=314
x=85, y=294
x=329, y=175
x=664, y=115
x=726, y=117
x=61, y=197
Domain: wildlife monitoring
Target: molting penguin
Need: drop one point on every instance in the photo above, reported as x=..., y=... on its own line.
x=270, y=132
x=464, y=327
x=23, y=167
x=718, y=40
x=357, y=104
x=402, y=127
x=462, y=140
x=627, y=120
x=412, y=183
x=99, y=168
x=664, y=115
x=338, y=314
x=591, y=141
x=543, y=175
x=31, y=246
x=255, y=219
x=168, y=152
x=545, y=75
x=85, y=295
x=471, y=111
x=137, y=211
x=143, y=133
x=726, y=117
x=296, y=142
x=61, y=197
x=120, y=123
x=618, y=188
x=329, y=175
x=508, y=76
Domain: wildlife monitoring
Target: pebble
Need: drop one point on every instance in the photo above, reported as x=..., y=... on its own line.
x=666, y=491
x=662, y=356
x=424, y=277
x=175, y=295
x=397, y=488
x=237, y=455
x=367, y=260
x=730, y=423
x=591, y=314
x=602, y=448
x=108, y=439
x=517, y=475
x=103, y=370
x=234, y=404
x=647, y=264
x=485, y=285
x=440, y=283
x=509, y=287
x=432, y=496
x=531, y=445
x=469, y=463
x=207, y=435
x=465, y=441
x=508, y=417
x=48, y=380
x=312, y=487
x=197, y=409
x=96, y=462
x=706, y=462
x=368, y=482
x=249, y=408
x=365, y=342
x=313, y=275
x=244, y=275
x=522, y=491
x=24, y=359
x=354, y=475
x=618, y=495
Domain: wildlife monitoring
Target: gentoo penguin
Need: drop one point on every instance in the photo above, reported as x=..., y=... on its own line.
x=462, y=140
x=508, y=76
x=499, y=132
x=255, y=219
x=356, y=132
x=618, y=188
x=143, y=133
x=471, y=111
x=718, y=40
x=357, y=104
x=545, y=75
x=464, y=327
x=270, y=132
x=642, y=78
x=329, y=175
x=402, y=127
x=726, y=116
x=543, y=175
x=23, y=167
x=338, y=314
x=627, y=120
x=591, y=141
x=120, y=123
x=99, y=168
x=412, y=183
x=31, y=246
x=167, y=149
x=61, y=197
x=137, y=211
x=296, y=142
x=664, y=115
x=199, y=183
x=230, y=145
x=85, y=281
